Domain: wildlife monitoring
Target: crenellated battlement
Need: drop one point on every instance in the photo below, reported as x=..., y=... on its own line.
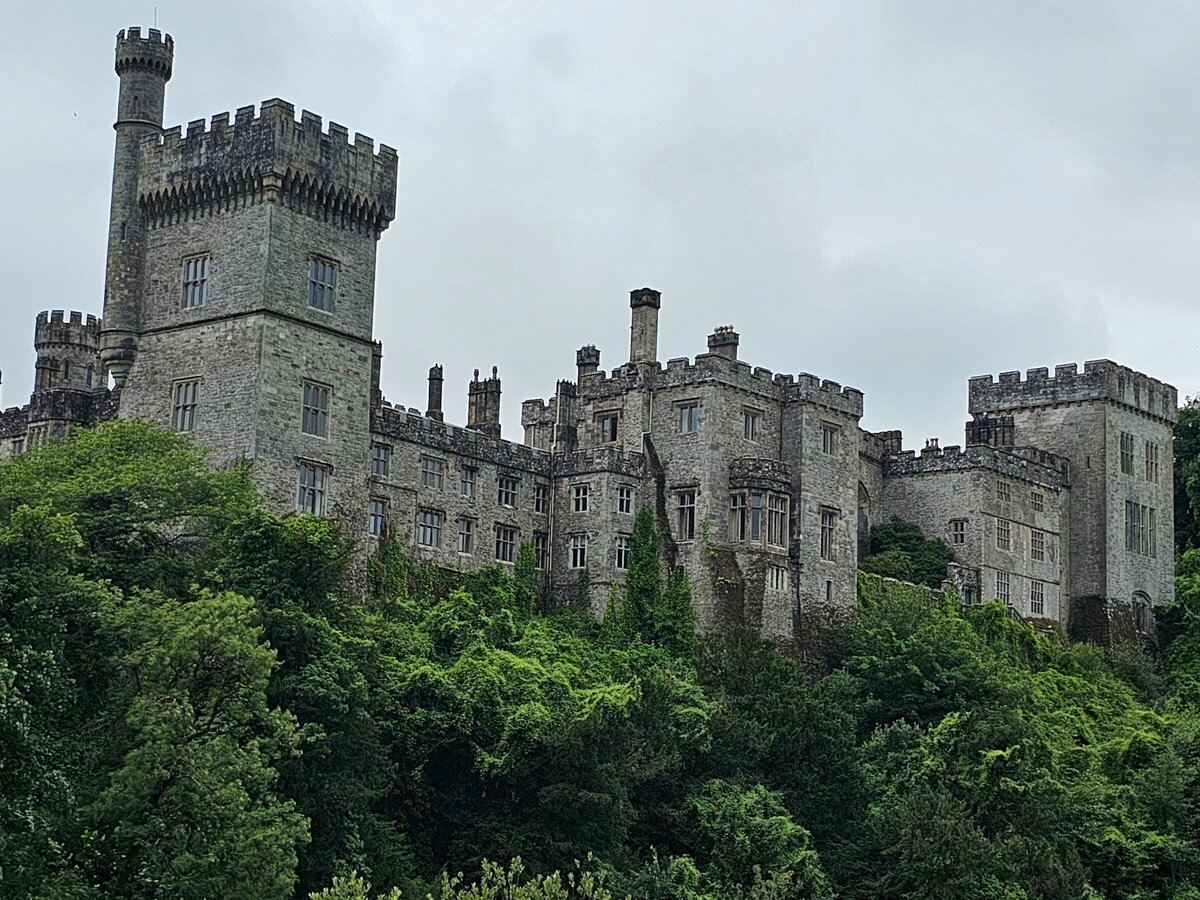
x=714, y=368
x=1025, y=463
x=226, y=162
x=398, y=423
x=152, y=52
x=600, y=459
x=876, y=445
x=56, y=327
x=1101, y=379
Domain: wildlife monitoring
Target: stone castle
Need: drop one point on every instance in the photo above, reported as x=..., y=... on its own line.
x=238, y=306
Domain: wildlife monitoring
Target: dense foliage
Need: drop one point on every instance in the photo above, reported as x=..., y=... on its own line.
x=188, y=709
x=899, y=550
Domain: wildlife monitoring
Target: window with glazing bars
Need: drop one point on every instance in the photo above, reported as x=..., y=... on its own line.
x=195, y=281
x=1126, y=453
x=321, y=276
x=377, y=517
x=958, y=531
x=507, y=491
x=1003, y=534
x=466, y=482
x=579, y=544
x=541, y=498
x=541, y=545
x=625, y=499
x=579, y=497
x=466, y=535
x=432, y=472
x=777, y=506
x=829, y=519
x=1037, y=598
x=183, y=408
x=776, y=578
x=1037, y=544
x=310, y=488
x=685, y=515
x=506, y=543
x=622, y=551
x=381, y=459
x=314, y=413
x=1003, y=592
x=429, y=528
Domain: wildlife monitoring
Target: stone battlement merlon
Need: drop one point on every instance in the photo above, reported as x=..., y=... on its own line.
x=1022, y=463
x=539, y=412
x=272, y=154
x=409, y=425
x=1101, y=379
x=58, y=327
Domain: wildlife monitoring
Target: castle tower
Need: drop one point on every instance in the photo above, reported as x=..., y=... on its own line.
x=144, y=66
x=241, y=277
x=68, y=374
x=1115, y=427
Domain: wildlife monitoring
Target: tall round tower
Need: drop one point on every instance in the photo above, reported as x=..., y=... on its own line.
x=144, y=67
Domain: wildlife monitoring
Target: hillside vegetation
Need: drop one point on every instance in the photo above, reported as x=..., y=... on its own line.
x=189, y=709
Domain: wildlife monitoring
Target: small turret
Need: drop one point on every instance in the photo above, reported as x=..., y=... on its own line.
x=67, y=349
x=483, y=404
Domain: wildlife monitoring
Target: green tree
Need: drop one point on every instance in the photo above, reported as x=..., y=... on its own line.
x=191, y=808
x=899, y=550
x=1187, y=476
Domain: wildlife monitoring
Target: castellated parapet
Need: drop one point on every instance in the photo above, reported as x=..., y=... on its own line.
x=227, y=162
x=153, y=52
x=1101, y=379
x=72, y=329
x=1029, y=464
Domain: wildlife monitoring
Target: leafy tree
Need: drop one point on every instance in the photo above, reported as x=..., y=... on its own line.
x=899, y=550
x=1187, y=476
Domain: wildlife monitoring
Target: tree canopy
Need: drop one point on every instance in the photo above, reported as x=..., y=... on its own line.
x=189, y=708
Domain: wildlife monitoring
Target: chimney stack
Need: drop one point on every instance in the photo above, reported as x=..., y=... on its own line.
x=587, y=361
x=724, y=342
x=434, y=410
x=643, y=336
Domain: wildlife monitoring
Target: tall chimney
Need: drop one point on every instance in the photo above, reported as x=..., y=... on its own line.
x=643, y=332
x=434, y=410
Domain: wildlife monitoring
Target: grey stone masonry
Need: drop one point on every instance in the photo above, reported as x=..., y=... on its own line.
x=239, y=308
x=1002, y=512
x=1115, y=426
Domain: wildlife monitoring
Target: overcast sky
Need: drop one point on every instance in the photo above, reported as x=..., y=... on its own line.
x=895, y=196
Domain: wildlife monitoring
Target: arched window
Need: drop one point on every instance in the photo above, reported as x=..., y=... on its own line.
x=66, y=370
x=89, y=376
x=1141, y=612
